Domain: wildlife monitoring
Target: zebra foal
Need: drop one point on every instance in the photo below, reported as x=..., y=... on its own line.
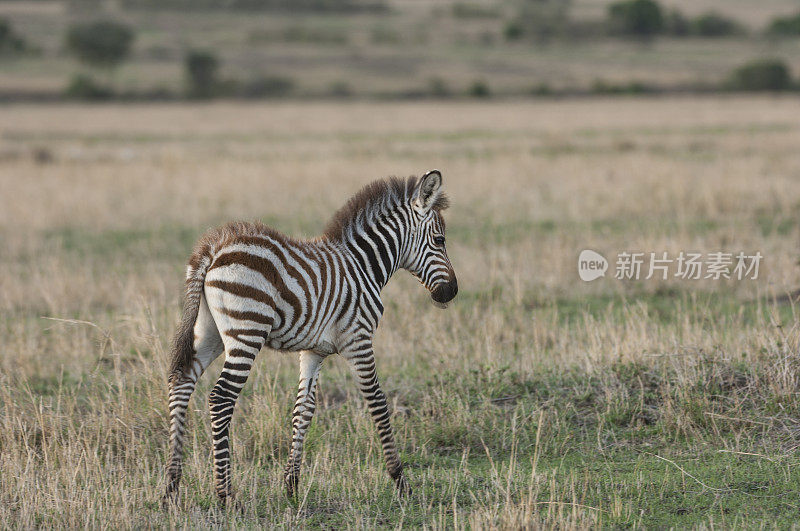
x=248, y=286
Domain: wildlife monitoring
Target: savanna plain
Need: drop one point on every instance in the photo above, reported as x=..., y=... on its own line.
x=536, y=399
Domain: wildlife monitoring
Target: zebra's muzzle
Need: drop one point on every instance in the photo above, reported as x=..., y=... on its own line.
x=444, y=293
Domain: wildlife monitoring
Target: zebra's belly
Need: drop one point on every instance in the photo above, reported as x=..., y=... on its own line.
x=322, y=345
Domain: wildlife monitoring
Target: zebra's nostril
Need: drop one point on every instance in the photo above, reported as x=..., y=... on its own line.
x=445, y=292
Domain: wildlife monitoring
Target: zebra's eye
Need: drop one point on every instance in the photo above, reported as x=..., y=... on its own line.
x=439, y=240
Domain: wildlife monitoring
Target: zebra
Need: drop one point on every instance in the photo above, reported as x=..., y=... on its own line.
x=249, y=286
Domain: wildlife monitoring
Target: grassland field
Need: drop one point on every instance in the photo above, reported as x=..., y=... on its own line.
x=535, y=400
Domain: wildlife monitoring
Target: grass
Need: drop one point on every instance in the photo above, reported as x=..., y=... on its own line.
x=632, y=444
x=535, y=400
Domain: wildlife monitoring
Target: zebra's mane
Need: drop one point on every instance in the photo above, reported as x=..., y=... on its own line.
x=375, y=198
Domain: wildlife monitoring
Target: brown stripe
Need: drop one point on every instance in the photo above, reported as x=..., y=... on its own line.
x=291, y=250
x=246, y=316
x=237, y=333
x=266, y=268
x=242, y=290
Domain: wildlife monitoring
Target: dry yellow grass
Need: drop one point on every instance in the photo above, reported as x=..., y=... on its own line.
x=100, y=205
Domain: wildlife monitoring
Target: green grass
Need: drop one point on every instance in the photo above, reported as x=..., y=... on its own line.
x=640, y=447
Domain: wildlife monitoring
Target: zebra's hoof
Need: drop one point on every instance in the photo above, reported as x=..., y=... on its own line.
x=169, y=501
x=403, y=488
x=235, y=506
x=228, y=502
x=170, y=498
x=292, y=483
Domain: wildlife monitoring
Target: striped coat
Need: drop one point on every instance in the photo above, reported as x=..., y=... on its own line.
x=248, y=286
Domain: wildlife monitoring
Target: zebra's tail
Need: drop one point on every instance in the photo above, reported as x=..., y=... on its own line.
x=182, y=354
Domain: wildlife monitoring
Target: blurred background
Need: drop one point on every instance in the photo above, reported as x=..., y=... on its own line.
x=173, y=49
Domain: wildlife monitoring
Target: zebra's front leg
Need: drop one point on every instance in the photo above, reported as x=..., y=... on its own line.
x=362, y=362
x=303, y=412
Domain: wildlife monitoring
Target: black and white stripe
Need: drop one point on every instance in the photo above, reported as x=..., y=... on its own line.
x=249, y=286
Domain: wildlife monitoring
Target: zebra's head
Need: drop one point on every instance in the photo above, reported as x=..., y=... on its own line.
x=426, y=257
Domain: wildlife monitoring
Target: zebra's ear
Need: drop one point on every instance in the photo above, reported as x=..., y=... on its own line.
x=428, y=190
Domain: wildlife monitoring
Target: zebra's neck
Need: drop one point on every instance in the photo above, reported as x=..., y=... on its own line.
x=377, y=247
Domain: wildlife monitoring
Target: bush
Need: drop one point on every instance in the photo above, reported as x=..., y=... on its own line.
x=382, y=34
x=83, y=87
x=10, y=42
x=468, y=10
x=630, y=88
x=103, y=44
x=785, y=26
x=323, y=35
x=764, y=74
x=438, y=88
x=513, y=31
x=340, y=89
x=638, y=18
x=715, y=25
x=288, y=6
x=542, y=89
x=269, y=87
x=201, y=74
x=676, y=23
x=479, y=89
x=539, y=20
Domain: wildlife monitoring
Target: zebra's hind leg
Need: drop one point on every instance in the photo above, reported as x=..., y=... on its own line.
x=303, y=412
x=207, y=345
x=240, y=352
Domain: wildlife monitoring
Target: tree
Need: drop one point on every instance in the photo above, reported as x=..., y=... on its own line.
x=201, y=73
x=676, y=23
x=10, y=42
x=638, y=18
x=763, y=74
x=539, y=20
x=102, y=44
x=713, y=24
x=785, y=26
x=479, y=89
